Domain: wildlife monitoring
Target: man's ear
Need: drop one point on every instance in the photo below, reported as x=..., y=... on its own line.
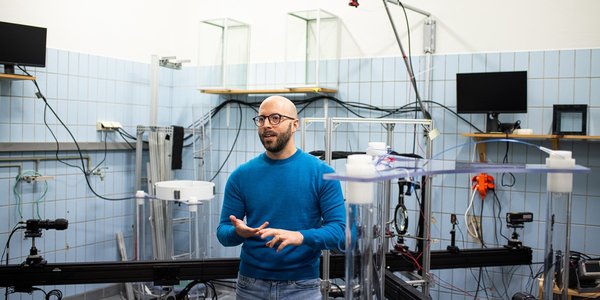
x=295, y=125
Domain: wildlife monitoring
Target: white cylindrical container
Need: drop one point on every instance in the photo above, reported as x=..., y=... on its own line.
x=360, y=165
x=140, y=228
x=558, y=216
x=360, y=228
x=194, y=236
x=560, y=182
x=377, y=149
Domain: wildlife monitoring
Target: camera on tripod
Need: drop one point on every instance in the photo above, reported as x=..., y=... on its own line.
x=517, y=220
x=33, y=229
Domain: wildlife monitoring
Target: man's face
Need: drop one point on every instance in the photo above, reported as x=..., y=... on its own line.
x=275, y=137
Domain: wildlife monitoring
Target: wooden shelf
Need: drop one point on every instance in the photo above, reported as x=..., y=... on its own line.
x=555, y=139
x=298, y=90
x=16, y=77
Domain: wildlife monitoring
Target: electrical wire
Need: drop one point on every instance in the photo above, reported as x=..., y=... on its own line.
x=505, y=160
x=499, y=212
x=82, y=168
x=7, y=250
x=7, y=245
x=105, y=152
x=20, y=177
x=467, y=223
x=232, y=146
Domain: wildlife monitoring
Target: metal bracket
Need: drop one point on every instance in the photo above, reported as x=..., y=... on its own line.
x=34, y=178
x=175, y=64
x=429, y=28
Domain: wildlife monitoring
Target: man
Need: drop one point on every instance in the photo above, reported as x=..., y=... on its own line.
x=291, y=212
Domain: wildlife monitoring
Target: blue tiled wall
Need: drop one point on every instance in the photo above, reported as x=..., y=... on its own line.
x=84, y=88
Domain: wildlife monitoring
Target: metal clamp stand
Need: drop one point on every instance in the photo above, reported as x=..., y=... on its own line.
x=452, y=248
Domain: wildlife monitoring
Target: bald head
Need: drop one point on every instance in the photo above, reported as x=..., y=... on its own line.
x=278, y=139
x=279, y=104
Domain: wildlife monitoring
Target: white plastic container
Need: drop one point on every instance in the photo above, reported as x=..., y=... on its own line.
x=360, y=165
x=182, y=190
x=560, y=182
x=377, y=149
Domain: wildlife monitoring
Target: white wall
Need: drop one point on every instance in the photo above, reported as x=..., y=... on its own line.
x=135, y=29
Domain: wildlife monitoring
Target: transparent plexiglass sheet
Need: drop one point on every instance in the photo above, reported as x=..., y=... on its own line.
x=312, y=49
x=224, y=53
x=391, y=167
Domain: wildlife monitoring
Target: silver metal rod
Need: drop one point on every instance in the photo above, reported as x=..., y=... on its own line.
x=42, y=147
x=154, y=73
x=426, y=122
x=38, y=159
x=326, y=284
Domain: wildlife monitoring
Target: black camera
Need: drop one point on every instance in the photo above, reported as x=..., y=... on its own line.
x=518, y=218
x=33, y=227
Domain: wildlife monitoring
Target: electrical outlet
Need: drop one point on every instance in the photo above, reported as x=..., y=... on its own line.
x=107, y=125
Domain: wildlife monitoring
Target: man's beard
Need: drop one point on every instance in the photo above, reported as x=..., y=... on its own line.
x=280, y=142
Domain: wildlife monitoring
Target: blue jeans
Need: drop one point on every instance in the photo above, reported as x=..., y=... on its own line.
x=249, y=288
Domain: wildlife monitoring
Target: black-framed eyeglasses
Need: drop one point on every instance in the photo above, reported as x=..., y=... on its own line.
x=274, y=119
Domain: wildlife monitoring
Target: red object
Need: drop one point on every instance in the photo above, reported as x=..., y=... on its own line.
x=353, y=3
x=483, y=183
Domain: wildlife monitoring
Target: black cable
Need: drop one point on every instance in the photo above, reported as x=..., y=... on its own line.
x=105, y=152
x=505, y=160
x=499, y=212
x=214, y=290
x=480, y=226
x=478, y=284
x=7, y=251
x=232, y=146
x=82, y=168
x=7, y=245
x=126, y=141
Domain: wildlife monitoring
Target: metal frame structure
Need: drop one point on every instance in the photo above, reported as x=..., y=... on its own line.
x=198, y=152
x=330, y=124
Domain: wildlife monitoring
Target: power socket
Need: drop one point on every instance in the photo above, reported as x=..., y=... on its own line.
x=108, y=125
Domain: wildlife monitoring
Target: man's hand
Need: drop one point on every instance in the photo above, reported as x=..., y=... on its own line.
x=281, y=237
x=243, y=230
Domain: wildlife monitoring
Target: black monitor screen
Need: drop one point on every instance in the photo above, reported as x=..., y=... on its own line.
x=492, y=92
x=22, y=45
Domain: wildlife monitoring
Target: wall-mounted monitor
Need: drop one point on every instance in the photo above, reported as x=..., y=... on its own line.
x=491, y=93
x=22, y=45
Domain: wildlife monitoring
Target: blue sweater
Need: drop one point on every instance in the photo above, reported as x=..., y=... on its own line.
x=291, y=194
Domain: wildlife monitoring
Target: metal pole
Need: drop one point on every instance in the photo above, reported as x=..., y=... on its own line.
x=426, y=223
x=154, y=72
x=326, y=284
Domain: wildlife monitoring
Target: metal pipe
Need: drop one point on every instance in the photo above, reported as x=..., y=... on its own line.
x=426, y=222
x=154, y=73
x=409, y=69
x=20, y=167
x=326, y=284
x=38, y=159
